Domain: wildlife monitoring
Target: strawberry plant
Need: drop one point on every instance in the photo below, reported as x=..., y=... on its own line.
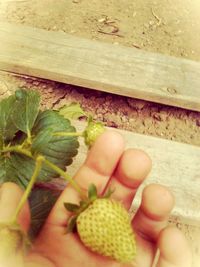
x=37, y=146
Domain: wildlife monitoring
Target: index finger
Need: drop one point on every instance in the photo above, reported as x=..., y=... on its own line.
x=100, y=163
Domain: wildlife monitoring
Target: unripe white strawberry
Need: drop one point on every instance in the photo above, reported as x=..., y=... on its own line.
x=104, y=226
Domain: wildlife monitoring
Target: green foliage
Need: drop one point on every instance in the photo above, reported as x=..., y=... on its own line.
x=72, y=224
x=5, y=169
x=72, y=111
x=92, y=192
x=41, y=202
x=25, y=110
x=57, y=149
x=7, y=127
x=71, y=207
x=29, y=136
x=21, y=123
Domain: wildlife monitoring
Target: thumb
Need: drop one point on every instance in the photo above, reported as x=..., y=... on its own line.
x=10, y=195
x=174, y=249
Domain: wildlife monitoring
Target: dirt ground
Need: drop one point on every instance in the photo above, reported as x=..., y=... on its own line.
x=158, y=26
x=167, y=26
x=116, y=111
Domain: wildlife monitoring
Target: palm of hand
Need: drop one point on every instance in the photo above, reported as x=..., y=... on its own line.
x=124, y=171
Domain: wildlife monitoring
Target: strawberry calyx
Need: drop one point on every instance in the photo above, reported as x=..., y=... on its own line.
x=76, y=209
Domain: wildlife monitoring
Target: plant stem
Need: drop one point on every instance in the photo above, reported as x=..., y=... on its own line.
x=29, y=138
x=66, y=176
x=68, y=134
x=18, y=149
x=38, y=166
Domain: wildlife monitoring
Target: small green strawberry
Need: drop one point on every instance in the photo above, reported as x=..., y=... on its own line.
x=92, y=132
x=104, y=226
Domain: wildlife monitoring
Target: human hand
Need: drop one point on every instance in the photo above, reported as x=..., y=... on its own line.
x=107, y=162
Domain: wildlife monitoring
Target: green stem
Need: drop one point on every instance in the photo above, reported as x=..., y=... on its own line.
x=29, y=138
x=68, y=134
x=66, y=176
x=18, y=149
x=38, y=166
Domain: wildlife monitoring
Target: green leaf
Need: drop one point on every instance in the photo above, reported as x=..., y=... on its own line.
x=72, y=111
x=4, y=168
x=42, y=139
x=71, y=207
x=108, y=193
x=7, y=127
x=92, y=192
x=26, y=109
x=72, y=224
x=58, y=150
x=16, y=168
x=18, y=116
x=1, y=142
x=41, y=202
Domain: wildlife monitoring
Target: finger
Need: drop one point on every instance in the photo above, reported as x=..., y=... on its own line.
x=10, y=195
x=132, y=169
x=153, y=213
x=174, y=249
x=97, y=169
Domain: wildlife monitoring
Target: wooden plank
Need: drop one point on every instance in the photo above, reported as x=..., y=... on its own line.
x=107, y=67
x=175, y=165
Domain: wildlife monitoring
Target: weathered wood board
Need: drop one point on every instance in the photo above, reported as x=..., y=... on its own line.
x=175, y=165
x=107, y=67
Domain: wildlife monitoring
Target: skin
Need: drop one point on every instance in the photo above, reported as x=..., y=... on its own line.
x=107, y=163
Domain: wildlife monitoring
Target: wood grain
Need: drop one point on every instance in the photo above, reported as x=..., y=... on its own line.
x=175, y=165
x=107, y=67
